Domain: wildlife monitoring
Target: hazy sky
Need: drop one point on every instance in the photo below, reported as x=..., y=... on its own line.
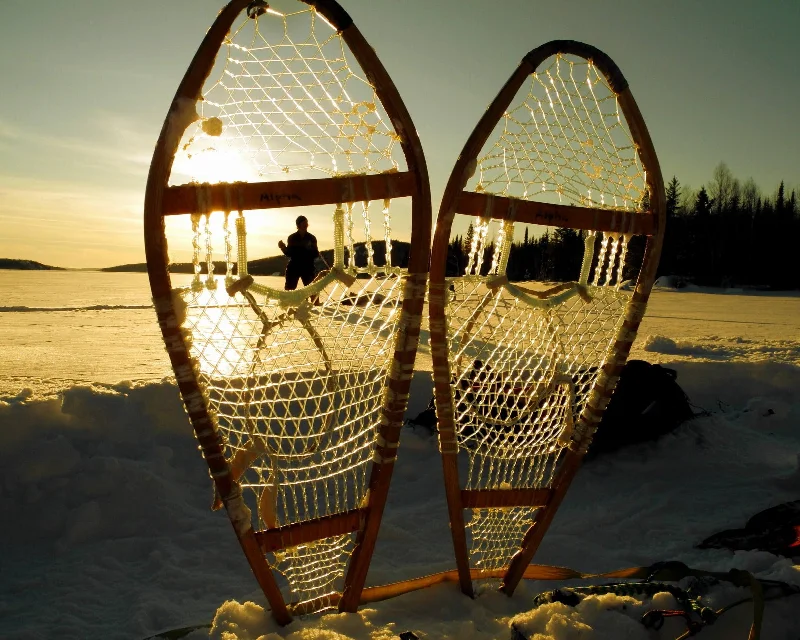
x=86, y=85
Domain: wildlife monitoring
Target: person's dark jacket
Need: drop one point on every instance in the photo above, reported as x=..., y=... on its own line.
x=301, y=251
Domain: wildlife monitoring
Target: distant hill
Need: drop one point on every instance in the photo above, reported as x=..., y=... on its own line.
x=277, y=264
x=138, y=267
x=27, y=265
x=175, y=267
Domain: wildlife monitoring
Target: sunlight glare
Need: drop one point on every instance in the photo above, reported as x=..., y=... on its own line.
x=214, y=165
x=324, y=19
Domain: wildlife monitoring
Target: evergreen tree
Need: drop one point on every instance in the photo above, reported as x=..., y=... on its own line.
x=703, y=204
x=544, y=270
x=456, y=261
x=567, y=248
x=673, y=197
x=468, y=239
x=780, y=201
x=701, y=264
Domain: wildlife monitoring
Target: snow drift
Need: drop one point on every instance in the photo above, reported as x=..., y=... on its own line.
x=106, y=503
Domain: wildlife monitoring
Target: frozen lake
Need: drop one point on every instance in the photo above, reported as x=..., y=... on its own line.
x=63, y=327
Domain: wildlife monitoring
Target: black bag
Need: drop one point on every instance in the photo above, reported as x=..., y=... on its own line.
x=647, y=403
x=776, y=530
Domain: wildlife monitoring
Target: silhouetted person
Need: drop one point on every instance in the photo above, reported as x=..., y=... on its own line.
x=302, y=251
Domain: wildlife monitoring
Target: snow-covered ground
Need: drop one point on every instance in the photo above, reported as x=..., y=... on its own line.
x=107, y=533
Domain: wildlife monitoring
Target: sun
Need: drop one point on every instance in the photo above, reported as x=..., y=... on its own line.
x=215, y=163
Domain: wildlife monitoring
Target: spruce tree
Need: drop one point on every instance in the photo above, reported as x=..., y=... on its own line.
x=702, y=255
x=702, y=205
x=468, y=239
x=673, y=197
x=780, y=200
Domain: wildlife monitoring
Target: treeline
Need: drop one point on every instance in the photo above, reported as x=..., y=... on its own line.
x=554, y=256
x=729, y=233
x=401, y=252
